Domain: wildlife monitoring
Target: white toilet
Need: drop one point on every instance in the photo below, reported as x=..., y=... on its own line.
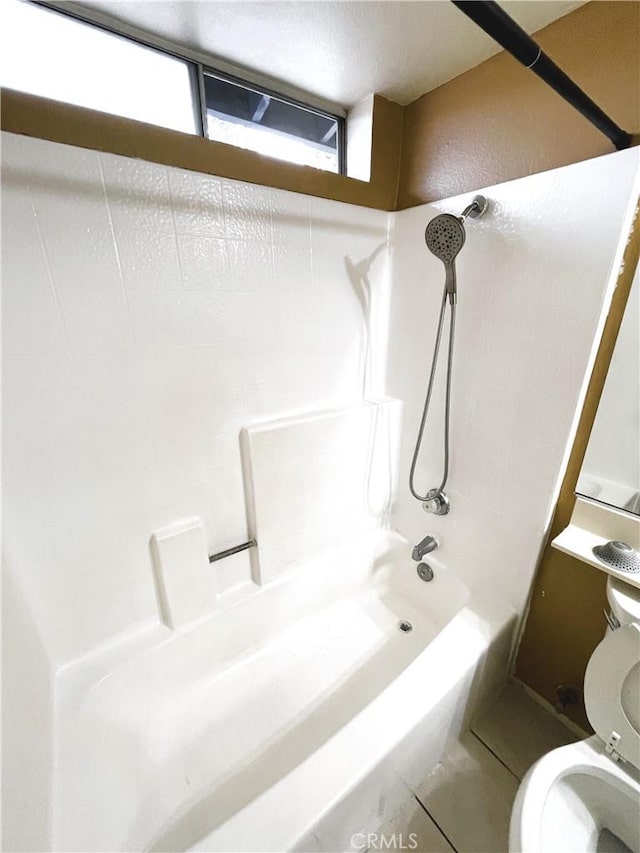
x=586, y=796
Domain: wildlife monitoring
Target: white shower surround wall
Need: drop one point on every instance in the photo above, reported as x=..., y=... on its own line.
x=533, y=278
x=164, y=311
x=150, y=313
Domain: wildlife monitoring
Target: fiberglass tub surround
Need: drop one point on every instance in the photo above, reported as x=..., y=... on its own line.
x=533, y=278
x=153, y=316
x=243, y=724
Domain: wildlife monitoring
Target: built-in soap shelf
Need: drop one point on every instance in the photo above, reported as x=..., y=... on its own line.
x=595, y=524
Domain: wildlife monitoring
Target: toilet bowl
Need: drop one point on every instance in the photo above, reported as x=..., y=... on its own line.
x=577, y=799
x=586, y=796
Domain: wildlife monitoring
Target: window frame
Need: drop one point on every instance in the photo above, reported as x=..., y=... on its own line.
x=207, y=70
x=198, y=68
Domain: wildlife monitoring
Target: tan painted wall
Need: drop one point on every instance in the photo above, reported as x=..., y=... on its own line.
x=71, y=125
x=499, y=121
x=494, y=123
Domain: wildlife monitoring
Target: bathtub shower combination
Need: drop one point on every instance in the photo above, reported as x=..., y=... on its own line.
x=318, y=682
x=209, y=531
x=331, y=681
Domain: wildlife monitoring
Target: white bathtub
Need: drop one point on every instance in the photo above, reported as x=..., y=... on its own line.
x=291, y=715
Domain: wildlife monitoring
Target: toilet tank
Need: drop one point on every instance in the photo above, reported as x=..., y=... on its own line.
x=624, y=600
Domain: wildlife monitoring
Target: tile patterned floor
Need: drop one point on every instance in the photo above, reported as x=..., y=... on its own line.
x=469, y=796
x=464, y=806
x=519, y=730
x=411, y=826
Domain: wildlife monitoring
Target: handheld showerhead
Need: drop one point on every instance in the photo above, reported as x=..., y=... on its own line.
x=444, y=237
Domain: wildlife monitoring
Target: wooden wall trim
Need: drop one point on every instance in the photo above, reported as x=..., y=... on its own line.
x=565, y=621
x=43, y=118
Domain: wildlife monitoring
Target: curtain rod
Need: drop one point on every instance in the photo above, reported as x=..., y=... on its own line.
x=503, y=29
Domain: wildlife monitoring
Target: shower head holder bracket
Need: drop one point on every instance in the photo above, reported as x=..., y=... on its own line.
x=436, y=502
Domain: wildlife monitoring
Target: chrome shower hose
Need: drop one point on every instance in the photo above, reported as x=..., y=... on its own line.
x=427, y=401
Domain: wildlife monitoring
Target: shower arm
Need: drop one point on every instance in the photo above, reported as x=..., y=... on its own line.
x=477, y=207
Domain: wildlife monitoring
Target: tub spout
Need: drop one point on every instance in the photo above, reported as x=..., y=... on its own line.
x=428, y=544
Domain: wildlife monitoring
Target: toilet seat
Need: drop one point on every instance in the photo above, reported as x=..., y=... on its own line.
x=612, y=692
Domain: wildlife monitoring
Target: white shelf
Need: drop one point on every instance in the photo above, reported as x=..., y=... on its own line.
x=593, y=524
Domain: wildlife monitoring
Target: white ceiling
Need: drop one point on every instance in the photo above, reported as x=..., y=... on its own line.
x=337, y=51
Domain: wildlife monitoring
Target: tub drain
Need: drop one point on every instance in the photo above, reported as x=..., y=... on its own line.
x=405, y=626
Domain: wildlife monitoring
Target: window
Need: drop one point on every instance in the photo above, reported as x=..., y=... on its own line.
x=54, y=54
x=267, y=123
